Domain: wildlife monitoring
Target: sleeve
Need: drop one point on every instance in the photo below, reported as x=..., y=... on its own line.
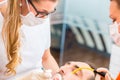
x=114, y=66
x=2, y=2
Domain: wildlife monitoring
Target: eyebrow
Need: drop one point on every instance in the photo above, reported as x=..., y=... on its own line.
x=75, y=66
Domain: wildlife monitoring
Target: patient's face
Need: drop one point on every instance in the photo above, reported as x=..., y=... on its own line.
x=67, y=71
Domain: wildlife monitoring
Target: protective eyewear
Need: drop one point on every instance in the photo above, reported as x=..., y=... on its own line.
x=40, y=14
x=94, y=70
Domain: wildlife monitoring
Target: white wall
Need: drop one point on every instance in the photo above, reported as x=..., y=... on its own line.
x=95, y=9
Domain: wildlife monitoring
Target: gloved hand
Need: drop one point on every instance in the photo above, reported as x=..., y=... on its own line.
x=107, y=76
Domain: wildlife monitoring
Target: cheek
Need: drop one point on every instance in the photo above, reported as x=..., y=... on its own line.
x=112, y=8
x=112, y=12
x=65, y=70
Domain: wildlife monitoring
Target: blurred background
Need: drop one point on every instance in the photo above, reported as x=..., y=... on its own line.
x=80, y=32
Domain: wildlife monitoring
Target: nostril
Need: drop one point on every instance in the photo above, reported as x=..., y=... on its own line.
x=62, y=72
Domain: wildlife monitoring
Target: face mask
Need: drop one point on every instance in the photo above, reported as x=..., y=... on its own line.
x=115, y=35
x=30, y=19
x=3, y=2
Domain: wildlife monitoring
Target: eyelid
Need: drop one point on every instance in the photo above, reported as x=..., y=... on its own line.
x=46, y=12
x=76, y=66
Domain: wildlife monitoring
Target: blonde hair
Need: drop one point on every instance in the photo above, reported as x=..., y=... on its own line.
x=11, y=34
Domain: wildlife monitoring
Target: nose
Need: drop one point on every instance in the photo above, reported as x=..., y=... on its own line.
x=113, y=19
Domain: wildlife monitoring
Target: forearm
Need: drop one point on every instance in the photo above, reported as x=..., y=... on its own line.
x=49, y=62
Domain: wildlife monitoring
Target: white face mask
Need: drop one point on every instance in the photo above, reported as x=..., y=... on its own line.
x=30, y=19
x=114, y=33
x=3, y=3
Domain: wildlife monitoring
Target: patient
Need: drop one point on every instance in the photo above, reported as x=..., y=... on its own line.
x=80, y=71
x=70, y=71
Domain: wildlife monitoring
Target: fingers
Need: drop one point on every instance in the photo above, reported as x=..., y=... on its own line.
x=107, y=75
x=97, y=77
x=103, y=70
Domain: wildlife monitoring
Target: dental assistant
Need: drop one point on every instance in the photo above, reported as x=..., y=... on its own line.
x=25, y=37
x=115, y=35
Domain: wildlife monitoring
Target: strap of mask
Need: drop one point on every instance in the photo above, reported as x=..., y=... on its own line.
x=28, y=5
